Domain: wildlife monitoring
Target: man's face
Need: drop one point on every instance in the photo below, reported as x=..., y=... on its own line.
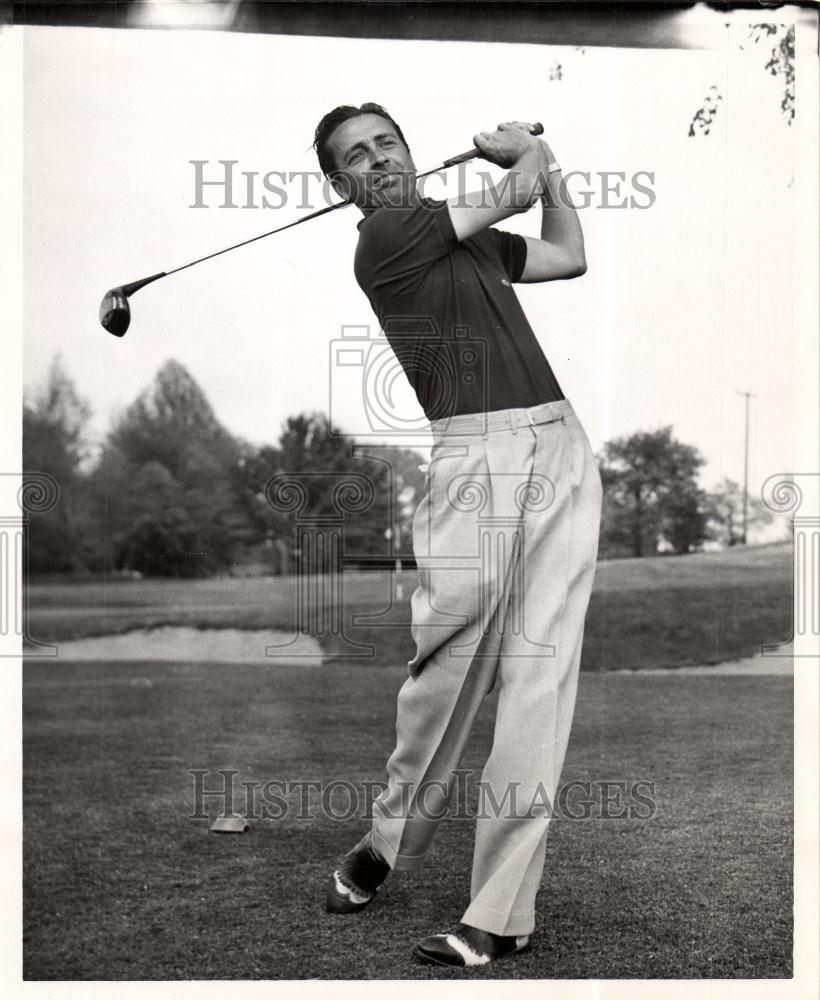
x=374, y=166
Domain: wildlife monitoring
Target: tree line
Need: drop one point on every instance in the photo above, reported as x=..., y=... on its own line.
x=170, y=492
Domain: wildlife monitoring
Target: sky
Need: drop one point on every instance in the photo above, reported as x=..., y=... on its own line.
x=684, y=302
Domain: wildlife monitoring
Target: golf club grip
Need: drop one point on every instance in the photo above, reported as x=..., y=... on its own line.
x=471, y=154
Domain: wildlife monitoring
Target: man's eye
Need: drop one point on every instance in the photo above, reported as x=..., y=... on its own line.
x=354, y=157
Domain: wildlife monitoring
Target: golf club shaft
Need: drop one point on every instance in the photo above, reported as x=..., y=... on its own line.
x=470, y=154
x=261, y=236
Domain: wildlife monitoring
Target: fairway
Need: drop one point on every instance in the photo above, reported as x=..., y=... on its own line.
x=121, y=883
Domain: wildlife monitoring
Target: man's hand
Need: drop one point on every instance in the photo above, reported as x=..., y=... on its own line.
x=559, y=253
x=524, y=157
x=509, y=142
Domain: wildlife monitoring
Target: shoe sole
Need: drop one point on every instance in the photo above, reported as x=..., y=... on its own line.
x=344, y=906
x=422, y=956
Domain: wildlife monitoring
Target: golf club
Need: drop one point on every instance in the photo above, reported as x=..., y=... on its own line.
x=115, y=311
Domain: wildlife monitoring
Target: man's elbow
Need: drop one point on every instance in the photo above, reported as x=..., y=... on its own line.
x=576, y=267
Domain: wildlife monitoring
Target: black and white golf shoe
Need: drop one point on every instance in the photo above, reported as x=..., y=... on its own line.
x=467, y=947
x=357, y=879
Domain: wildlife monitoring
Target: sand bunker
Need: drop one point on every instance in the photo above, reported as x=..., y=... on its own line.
x=227, y=645
x=752, y=666
x=181, y=645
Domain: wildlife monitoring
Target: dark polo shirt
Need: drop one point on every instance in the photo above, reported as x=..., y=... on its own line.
x=449, y=312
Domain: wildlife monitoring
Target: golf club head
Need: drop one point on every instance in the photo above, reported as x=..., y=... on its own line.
x=115, y=313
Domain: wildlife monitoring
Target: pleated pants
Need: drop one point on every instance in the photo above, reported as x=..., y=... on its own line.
x=506, y=540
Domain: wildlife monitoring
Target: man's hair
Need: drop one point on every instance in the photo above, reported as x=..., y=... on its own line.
x=333, y=119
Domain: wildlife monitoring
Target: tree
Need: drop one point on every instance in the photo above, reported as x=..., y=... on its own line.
x=161, y=540
x=173, y=423
x=370, y=488
x=651, y=494
x=55, y=419
x=724, y=513
x=167, y=483
x=682, y=522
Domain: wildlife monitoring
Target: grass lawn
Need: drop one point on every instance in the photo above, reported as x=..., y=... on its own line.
x=120, y=882
x=654, y=612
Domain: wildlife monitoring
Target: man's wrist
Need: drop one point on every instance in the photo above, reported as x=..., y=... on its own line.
x=549, y=166
x=540, y=172
x=550, y=192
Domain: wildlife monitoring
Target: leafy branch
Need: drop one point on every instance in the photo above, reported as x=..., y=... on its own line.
x=780, y=63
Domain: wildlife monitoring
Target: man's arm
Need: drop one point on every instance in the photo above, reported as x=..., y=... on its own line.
x=559, y=252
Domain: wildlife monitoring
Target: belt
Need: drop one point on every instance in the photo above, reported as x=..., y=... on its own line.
x=502, y=420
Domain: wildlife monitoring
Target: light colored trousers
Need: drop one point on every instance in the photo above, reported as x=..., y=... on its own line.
x=506, y=541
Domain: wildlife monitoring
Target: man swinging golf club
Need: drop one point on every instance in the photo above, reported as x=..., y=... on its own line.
x=506, y=535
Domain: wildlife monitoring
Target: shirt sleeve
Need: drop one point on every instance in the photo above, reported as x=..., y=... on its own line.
x=512, y=249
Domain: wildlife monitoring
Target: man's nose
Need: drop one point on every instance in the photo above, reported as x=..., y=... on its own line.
x=378, y=159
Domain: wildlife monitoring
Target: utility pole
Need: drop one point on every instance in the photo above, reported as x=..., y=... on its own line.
x=748, y=396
